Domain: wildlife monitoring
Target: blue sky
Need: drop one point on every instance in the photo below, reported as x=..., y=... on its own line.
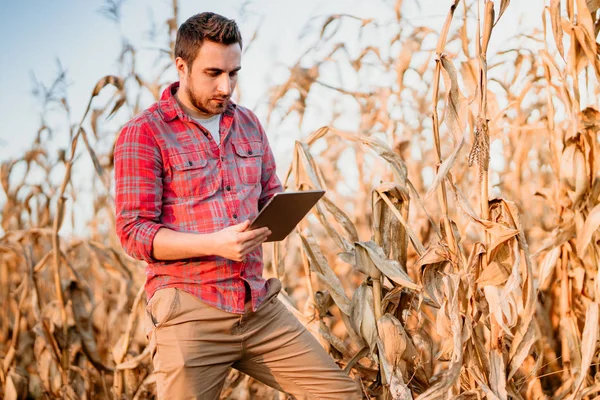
x=35, y=34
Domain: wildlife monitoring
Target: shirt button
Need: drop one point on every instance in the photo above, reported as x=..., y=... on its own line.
x=249, y=152
x=228, y=188
x=222, y=158
x=234, y=216
x=242, y=273
x=190, y=163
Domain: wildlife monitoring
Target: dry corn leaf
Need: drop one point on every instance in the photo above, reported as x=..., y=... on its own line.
x=584, y=18
x=383, y=150
x=364, y=263
x=393, y=339
x=319, y=265
x=588, y=345
x=47, y=365
x=345, y=244
x=547, y=267
x=397, y=344
x=389, y=202
x=497, y=375
x=341, y=217
x=94, y=158
x=591, y=225
x=490, y=395
x=328, y=21
x=571, y=336
x=108, y=80
x=488, y=25
x=455, y=120
x=559, y=236
x=335, y=342
x=499, y=233
x=449, y=377
x=456, y=113
x=522, y=344
x=557, y=29
x=443, y=327
x=16, y=386
x=506, y=302
x=306, y=172
x=431, y=266
x=371, y=256
x=404, y=58
x=593, y=5
x=503, y=6
x=397, y=246
x=342, y=243
x=527, y=289
x=115, y=81
x=398, y=389
x=496, y=274
x=84, y=327
x=363, y=317
x=444, y=33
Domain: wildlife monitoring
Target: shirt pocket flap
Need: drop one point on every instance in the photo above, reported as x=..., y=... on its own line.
x=188, y=161
x=248, y=149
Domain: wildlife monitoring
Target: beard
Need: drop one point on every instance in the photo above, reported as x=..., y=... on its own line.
x=212, y=106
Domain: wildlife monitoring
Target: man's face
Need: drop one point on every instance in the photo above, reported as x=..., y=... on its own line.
x=208, y=85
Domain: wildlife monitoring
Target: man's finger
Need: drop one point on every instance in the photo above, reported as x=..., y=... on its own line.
x=251, y=235
x=258, y=239
x=252, y=245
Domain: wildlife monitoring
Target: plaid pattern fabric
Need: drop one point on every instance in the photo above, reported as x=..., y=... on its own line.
x=169, y=172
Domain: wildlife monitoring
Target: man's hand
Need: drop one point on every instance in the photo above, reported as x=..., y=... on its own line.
x=234, y=242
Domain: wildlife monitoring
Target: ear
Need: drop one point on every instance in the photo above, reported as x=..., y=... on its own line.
x=182, y=67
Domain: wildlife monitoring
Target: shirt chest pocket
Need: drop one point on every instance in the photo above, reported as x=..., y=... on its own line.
x=194, y=174
x=248, y=159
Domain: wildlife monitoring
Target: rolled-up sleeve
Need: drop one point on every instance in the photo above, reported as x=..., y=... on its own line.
x=269, y=180
x=138, y=190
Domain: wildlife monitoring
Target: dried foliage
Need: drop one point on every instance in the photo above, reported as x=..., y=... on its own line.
x=418, y=285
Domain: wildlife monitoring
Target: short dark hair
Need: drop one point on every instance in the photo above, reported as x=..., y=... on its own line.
x=204, y=26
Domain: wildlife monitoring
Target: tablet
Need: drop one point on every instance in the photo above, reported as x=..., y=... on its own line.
x=284, y=211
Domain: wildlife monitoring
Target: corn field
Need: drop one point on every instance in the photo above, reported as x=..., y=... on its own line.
x=455, y=254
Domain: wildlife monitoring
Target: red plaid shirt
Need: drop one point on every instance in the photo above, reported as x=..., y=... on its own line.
x=169, y=172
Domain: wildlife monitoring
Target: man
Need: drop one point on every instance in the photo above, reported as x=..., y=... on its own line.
x=190, y=173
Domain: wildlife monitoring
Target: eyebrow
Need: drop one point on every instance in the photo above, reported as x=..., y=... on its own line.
x=219, y=71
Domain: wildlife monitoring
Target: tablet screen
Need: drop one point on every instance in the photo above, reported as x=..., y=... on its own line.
x=284, y=211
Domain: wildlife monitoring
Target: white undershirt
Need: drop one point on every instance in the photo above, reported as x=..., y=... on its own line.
x=212, y=125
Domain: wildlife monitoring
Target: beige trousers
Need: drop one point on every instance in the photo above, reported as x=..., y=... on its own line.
x=194, y=346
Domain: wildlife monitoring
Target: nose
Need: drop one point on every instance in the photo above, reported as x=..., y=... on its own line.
x=224, y=85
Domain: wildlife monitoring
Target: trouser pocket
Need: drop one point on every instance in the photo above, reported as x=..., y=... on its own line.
x=271, y=297
x=163, y=306
x=274, y=289
x=160, y=309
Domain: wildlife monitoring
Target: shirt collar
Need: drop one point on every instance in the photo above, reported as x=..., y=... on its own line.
x=170, y=108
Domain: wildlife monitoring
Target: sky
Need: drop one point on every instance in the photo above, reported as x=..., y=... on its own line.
x=37, y=35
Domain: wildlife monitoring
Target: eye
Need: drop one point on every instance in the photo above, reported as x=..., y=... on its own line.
x=213, y=74
x=233, y=74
